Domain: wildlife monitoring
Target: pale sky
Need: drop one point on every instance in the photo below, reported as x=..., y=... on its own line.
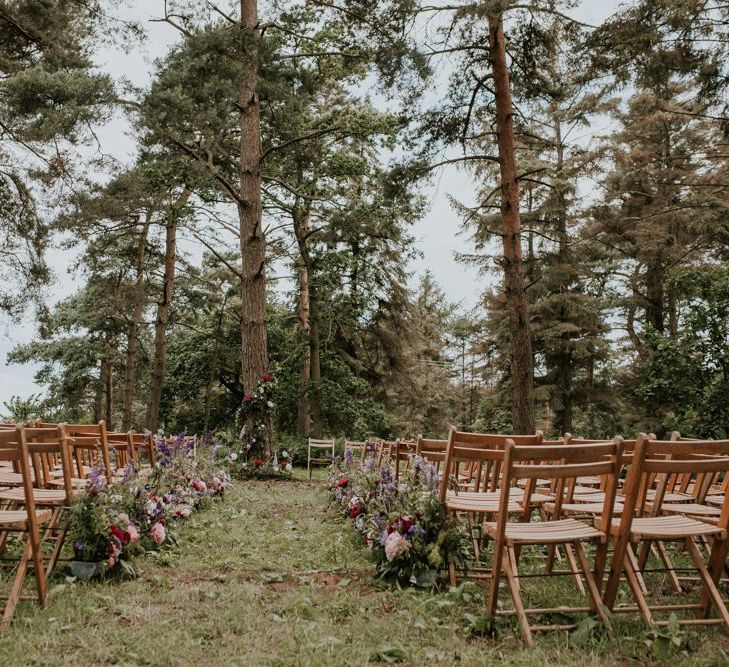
x=437, y=234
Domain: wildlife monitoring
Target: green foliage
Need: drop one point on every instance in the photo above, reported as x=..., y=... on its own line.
x=683, y=381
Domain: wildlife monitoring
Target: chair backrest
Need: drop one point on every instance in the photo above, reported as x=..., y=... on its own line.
x=145, y=440
x=358, y=447
x=88, y=445
x=561, y=464
x=433, y=451
x=14, y=448
x=322, y=444
x=122, y=445
x=663, y=460
x=483, y=453
x=47, y=447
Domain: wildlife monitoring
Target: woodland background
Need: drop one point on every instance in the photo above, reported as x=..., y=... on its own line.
x=627, y=281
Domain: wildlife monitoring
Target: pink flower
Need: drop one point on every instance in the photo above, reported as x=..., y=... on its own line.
x=395, y=545
x=266, y=377
x=157, y=533
x=247, y=398
x=133, y=533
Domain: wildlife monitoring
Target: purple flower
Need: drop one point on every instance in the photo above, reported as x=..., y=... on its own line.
x=98, y=479
x=78, y=547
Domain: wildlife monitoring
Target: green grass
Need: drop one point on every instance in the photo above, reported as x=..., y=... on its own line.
x=270, y=577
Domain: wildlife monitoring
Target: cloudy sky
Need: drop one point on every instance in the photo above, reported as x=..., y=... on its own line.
x=437, y=235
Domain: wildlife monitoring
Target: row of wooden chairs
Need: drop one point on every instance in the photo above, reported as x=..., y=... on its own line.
x=43, y=468
x=519, y=491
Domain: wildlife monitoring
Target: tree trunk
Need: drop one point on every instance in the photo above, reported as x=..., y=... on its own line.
x=522, y=364
x=254, y=344
x=130, y=368
x=214, y=364
x=164, y=308
x=654, y=312
x=317, y=425
x=303, y=421
x=107, y=373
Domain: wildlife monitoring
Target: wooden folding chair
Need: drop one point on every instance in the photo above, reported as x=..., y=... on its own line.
x=319, y=446
x=642, y=522
x=145, y=442
x=89, y=447
x=28, y=521
x=482, y=455
x=121, y=445
x=401, y=453
x=433, y=451
x=45, y=446
x=357, y=447
x=559, y=463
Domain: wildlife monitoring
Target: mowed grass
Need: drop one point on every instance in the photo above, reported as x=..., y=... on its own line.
x=271, y=577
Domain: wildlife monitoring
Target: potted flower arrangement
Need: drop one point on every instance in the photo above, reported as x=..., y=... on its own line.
x=103, y=537
x=406, y=527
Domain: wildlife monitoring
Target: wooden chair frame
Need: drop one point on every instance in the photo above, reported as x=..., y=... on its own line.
x=14, y=447
x=560, y=463
x=328, y=445
x=662, y=460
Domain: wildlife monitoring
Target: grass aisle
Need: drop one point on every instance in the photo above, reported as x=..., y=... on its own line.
x=270, y=578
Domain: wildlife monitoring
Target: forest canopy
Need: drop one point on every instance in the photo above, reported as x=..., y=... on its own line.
x=251, y=265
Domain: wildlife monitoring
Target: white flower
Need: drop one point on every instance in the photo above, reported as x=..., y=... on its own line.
x=289, y=466
x=233, y=456
x=284, y=454
x=270, y=404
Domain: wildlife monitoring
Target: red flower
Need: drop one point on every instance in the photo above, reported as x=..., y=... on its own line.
x=342, y=483
x=355, y=512
x=266, y=377
x=247, y=398
x=120, y=534
x=258, y=463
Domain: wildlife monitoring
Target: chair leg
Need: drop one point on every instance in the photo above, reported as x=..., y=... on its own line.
x=514, y=566
x=492, y=597
x=573, y=568
x=308, y=468
x=631, y=574
x=592, y=587
x=710, y=576
x=17, y=587
x=513, y=582
x=59, y=541
x=663, y=555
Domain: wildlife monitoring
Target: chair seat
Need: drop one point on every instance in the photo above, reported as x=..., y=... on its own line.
x=674, y=527
x=19, y=518
x=41, y=496
x=484, y=505
x=594, y=509
x=58, y=471
x=76, y=482
x=514, y=492
x=691, y=509
x=320, y=460
x=589, y=480
x=716, y=501
x=547, y=532
x=670, y=497
x=13, y=478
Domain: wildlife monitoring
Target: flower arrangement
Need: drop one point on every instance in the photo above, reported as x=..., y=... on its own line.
x=256, y=417
x=111, y=524
x=404, y=524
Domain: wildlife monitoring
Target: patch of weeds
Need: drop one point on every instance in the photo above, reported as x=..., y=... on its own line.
x=388, y=654
x=662, y=641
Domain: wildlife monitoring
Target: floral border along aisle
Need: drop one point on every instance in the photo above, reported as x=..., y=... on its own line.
x=405, y=525
x=110, y=525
